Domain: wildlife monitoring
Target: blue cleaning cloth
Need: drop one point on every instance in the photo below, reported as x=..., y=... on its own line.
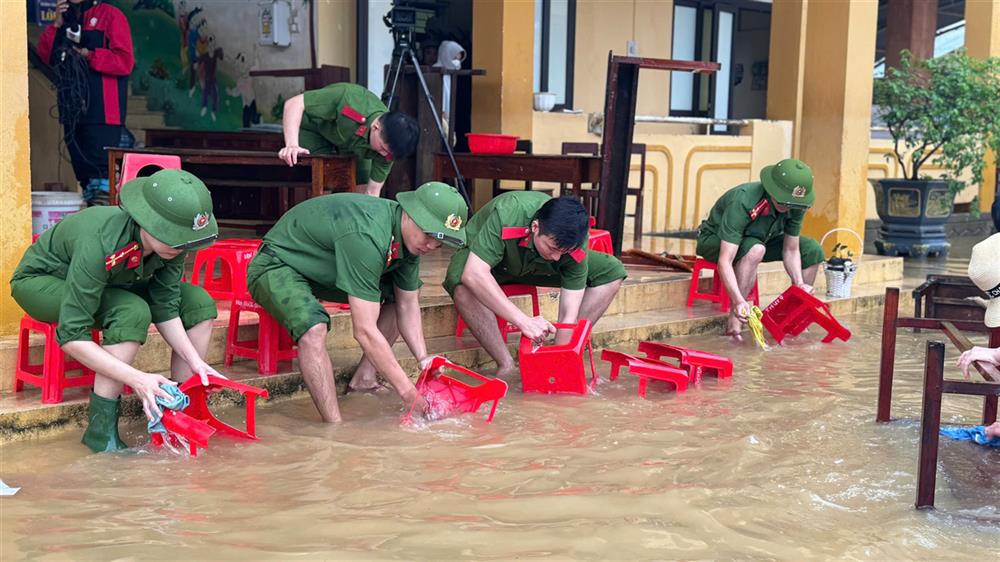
x=178, y=401
x=975, y=433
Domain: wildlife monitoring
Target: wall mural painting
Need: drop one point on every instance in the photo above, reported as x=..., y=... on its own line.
x=194, y=57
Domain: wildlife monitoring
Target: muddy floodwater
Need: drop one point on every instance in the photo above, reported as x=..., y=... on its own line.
x=785, y=462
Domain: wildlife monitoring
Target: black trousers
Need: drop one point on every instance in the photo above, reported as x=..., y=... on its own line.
x=86, y=144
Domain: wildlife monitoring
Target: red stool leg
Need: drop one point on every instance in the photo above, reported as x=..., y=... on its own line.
x=267, y=344
x=22, y=355
x=232, y=331
x=54, y=369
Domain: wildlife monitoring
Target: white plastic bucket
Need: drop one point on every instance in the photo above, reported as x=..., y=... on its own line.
x=49, y=207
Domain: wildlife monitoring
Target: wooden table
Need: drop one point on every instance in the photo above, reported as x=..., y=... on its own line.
x=237, y=170
x=572, y=169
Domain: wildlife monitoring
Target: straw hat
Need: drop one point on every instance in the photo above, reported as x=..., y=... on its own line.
x=984, y=271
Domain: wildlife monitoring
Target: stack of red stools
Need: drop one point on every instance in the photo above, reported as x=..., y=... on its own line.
x=718, y=292
x=233, y=256
x=512, y=290
x=693, y=361
x=558, y=368
x=794, y=310
x=645, y=369
x=50, y=374
x=273, y=343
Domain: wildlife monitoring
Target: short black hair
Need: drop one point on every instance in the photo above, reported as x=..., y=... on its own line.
x=401, y=133
x=565, y=220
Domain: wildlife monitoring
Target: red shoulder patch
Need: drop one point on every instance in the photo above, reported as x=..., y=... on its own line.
x=129, y=253
x=761, y=209
x=514, y=232
x=353, y=114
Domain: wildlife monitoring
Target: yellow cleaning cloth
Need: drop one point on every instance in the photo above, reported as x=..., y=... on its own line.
x=757, y=327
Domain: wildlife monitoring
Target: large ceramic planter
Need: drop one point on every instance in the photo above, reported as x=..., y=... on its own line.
x=913, y=216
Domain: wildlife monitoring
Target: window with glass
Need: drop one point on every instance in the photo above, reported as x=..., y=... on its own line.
x=555, y=27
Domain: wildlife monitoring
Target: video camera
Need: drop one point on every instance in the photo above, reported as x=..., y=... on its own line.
x=404, y=16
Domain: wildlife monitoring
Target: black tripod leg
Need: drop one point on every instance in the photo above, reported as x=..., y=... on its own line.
x=395, y=79
x=437, y=121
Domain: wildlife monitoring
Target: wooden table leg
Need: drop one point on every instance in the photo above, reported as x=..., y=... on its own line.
x=930, y=425
x=888, y=361
x=318, y=166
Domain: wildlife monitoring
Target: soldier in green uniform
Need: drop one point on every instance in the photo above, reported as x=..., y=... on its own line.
x=528, y=237
x=348, y=119
x=118, y=269
x=760, y=222
x=364, y=251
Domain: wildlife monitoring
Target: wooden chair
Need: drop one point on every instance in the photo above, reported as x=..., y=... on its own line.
x=590, y=197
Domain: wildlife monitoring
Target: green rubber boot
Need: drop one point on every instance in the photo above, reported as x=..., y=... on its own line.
x=102, y=430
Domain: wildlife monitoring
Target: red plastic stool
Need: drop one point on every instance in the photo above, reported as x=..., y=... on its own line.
x=180, y=425
x=794, y=310
x=233, y=257
x=446, y=394
x=505, y=327
x=558, y=368
x=691, y=360
x=133, y=163
x=50, y=374
x=718, y=292
x=198, y=408
x=600, y=240
x=646, y=369
x=272, y=344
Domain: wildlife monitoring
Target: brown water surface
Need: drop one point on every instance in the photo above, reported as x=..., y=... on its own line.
x=783, y=463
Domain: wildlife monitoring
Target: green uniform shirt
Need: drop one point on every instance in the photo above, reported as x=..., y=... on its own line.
x=347, y=241
x=733, y=217
x=90, y=250
x=325, y=115
x=507, y=257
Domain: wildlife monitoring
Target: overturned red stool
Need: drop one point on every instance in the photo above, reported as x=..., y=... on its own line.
x=232, y=257
x=198, y=408
x=794, y=310
x=558, y=368
x=511, y=290
x=50, y=374
x=691, y=360
x=194, y=432
x=272, y=345
x=446, y=394
x=717, y=293
x=646, y=369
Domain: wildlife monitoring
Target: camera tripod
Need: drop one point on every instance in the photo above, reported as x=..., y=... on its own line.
x=403, y=54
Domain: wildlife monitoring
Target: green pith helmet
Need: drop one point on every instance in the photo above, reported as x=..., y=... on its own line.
x=789, y=182
x=173, y=206
x=439, y=210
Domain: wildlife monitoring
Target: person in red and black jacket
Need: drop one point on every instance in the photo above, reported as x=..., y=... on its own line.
x=90, y=46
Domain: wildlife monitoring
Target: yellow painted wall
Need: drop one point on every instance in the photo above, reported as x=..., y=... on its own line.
x=685, y=174
x=982, y=39
x=786, y=67
x=336, y=33
x=608, y=25
x=15, y=153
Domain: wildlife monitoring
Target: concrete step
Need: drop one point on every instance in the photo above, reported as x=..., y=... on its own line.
x=23, y=416
x=649, y=292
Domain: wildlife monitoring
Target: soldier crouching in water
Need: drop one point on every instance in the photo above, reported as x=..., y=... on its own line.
x=119, y=269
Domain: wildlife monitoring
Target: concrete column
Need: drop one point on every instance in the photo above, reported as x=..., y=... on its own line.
x=910, y=25
x=836, y=113
x=336, y=34
x=786, y=68
x=503, y=42
x=15, y=154
x=982, y=40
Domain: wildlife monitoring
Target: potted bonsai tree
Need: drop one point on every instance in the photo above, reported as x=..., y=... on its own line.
x=947, y=109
